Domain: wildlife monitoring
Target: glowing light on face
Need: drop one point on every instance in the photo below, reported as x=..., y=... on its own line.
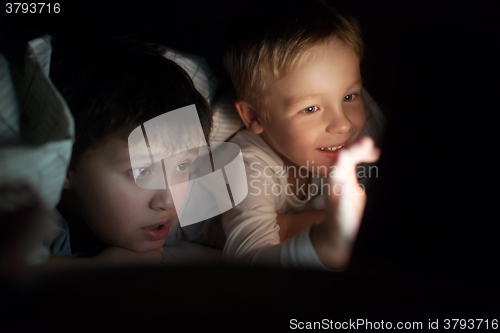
x=170, y=151
x=316, y=110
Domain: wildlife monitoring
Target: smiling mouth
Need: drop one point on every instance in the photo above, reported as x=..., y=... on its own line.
x=333, y=148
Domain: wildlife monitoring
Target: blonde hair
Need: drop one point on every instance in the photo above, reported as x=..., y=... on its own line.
x=273, y=43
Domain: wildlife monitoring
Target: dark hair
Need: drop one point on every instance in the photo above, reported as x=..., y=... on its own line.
x=112, y=85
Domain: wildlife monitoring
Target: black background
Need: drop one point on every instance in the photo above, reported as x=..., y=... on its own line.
x=427, y=247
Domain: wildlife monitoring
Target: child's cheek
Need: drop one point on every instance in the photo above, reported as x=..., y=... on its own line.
x=179, y=193
x=127, y=203
x=358, y=118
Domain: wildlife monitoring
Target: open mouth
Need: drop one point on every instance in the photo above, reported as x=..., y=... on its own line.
x=333, y=148
x=158, y=227
x=158, y=231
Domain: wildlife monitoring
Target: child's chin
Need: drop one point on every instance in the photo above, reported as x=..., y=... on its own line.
x=320, y=169
x=148, y=246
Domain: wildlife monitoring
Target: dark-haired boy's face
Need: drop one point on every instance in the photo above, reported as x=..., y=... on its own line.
x=119, y=212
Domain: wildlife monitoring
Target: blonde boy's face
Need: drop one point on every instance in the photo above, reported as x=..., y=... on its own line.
x=316, y=108
x=116, y=209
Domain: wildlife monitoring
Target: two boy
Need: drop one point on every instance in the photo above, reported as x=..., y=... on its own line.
x=299, y=89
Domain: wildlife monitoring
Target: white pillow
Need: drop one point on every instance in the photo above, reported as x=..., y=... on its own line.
x=38, y=148
x=197, y=67
x=36, y=137
x=226, y=118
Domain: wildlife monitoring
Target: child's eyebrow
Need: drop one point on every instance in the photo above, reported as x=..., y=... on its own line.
x=146, y=159
x=142, y=160
x=359, y=81
x=295, y=100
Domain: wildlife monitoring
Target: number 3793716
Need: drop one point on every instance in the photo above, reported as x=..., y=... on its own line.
x=470, y=324
x=32, y=8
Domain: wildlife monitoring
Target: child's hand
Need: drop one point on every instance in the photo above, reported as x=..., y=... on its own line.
x=333, y=239
x=24, y=224
x=120, y=256
x=110, y=256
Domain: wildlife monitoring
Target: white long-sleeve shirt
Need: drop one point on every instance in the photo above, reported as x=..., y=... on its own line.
x=252, y=234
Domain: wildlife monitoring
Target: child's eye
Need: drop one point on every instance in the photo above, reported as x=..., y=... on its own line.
x=349, y=97
x=310, y=109
x=182, y=167
x=142, y=172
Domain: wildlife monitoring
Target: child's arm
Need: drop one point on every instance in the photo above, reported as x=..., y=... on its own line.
x=253, y=232
x=293, y=224
x=334, y=238
x=25, y=222
x=111, y=256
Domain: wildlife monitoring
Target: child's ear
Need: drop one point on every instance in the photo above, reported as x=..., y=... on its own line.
x=68, y=181
x=249, y=116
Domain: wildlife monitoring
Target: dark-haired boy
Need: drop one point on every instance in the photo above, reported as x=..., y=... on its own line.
x=111, y=88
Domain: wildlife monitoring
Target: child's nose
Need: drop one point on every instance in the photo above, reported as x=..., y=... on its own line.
x=162, y=200
x=338, y=123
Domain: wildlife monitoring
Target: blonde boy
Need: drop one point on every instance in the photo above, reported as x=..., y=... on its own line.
x=295, y=66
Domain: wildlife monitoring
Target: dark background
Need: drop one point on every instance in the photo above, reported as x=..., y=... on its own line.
x=427, y=247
